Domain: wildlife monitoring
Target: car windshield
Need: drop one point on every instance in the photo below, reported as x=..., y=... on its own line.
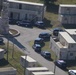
x=48, y=54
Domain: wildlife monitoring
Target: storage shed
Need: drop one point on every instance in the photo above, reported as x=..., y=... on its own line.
x=67, y=14
x=27, y=61
x=35, y=69
x=43, y=73
x=8, y=71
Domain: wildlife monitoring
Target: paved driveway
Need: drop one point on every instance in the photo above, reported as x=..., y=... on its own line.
x=22, y=41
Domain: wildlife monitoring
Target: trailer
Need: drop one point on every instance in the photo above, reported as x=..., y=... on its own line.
x=8, y=71
x=27, y=61
x=35, y=69
x=43, y=73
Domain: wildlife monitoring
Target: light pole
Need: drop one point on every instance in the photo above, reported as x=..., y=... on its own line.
x=55, y=65
x=26, y=53
x=13, y=48
x=7, y=46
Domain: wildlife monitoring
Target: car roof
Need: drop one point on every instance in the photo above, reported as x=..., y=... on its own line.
x=73, y=71
x=37, y=45
x=62, y=61
x=44, y=33
x=57, y=29
x=45, y=51
x=40, y=21
x=38, y=39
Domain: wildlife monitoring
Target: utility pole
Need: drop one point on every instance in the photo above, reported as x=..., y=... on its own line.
x=26, y=53
x=7, y=47
x=13, y=48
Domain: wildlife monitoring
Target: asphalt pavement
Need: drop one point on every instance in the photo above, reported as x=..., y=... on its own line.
x=22, y=42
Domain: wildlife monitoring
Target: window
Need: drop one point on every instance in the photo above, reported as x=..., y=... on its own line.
x=20, y=6
x=71, y=54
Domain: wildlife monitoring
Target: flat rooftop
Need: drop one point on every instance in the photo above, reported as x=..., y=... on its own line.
x=43, y=73
x=67, y=5
x=67, y=37
x=71, y=31
x=24, y=2
x=37, y=68
x=28, y=58
x=7, y=69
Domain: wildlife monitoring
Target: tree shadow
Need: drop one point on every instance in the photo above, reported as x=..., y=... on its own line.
x=69, y=26
x=53, y=8
x=3, y=62
x=47, y=23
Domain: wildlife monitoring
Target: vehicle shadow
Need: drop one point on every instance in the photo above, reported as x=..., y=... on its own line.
x=3, y=62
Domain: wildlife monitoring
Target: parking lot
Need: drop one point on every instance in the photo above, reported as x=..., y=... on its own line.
x=22, y=42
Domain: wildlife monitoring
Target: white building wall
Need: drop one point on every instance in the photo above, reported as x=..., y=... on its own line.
x=67, y=14
x=63, y=41
x=35, y=11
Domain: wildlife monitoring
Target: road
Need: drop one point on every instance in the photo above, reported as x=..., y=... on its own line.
x=22, y=42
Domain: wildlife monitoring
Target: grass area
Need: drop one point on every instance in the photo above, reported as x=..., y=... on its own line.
x=13, y=31
x=12, y=62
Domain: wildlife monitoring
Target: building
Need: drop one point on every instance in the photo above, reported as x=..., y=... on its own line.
x=27, y=61
x=21, y=10
x=8, y=71
x=72, y=33
x=35, y=69
x=67, y=14
x=1, y=3
x=43, y=73
x=64, y=46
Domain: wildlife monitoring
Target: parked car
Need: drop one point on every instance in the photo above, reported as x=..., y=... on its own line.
x=12, y=21
x=38, y=41
x=1, y=40
x=61, y=63
x=37, y=47
x=56, y=31
x=24, y=23
x=39, y=24
x=44, y=35
x=46, y=54
x=72, y=72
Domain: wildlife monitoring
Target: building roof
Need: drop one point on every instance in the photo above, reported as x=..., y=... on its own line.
x=1, y=50
x=67, y=5
x=71, y=31
x=28, y=58
x=67, y=37
x=7, y=69
x=24, y=2
x=43, y=73
x=37, y=68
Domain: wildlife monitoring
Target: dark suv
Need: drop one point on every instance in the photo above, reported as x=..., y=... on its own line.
x=37, y=47
x=24, y=23
x=39, y=24
x=38, y=41
x=1, y=40
x=61, y=63
x=56, y=31
x=44, y=35
x=46, y=54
